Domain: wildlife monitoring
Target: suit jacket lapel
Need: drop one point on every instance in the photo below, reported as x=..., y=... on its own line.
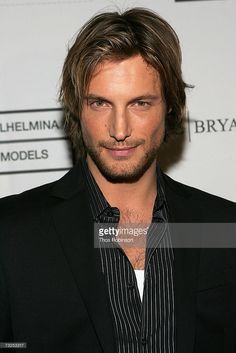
x=185, y=268
x=74, y=225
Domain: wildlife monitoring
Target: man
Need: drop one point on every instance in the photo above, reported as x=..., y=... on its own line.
x=62, y=289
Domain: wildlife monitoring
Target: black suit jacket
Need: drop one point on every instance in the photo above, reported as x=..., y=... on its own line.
x=52, y=291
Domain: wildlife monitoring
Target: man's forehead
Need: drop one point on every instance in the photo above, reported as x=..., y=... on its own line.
x=112, y=63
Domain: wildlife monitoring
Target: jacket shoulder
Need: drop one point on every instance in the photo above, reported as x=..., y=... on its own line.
x=29, y=198
x=212, y=206
x=42, y=197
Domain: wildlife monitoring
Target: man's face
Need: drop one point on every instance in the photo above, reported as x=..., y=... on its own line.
x=123, y=119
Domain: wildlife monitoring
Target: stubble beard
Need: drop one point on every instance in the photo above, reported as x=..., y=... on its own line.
x=130, y=172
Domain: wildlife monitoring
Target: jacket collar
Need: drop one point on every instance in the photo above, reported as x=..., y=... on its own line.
x=74, y=226
x=182, y=210
x=70, y=184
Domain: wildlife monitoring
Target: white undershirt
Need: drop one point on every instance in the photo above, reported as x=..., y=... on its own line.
x=140, y=281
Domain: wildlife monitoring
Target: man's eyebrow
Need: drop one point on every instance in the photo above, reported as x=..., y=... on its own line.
x=145, y=96
x=95, y=96
x=142, y=97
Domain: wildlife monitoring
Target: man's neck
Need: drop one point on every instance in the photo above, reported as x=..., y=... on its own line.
x=128, y=195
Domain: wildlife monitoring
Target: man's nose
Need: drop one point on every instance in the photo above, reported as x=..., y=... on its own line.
x=120, y=125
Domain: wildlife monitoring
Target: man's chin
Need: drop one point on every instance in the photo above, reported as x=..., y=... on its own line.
x=125, y=173
x=121, y=177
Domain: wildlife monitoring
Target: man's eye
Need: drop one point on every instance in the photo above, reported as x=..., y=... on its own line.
x=142, y=104
x=97, y=103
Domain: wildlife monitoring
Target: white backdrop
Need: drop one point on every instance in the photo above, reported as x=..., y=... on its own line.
x=34, y=36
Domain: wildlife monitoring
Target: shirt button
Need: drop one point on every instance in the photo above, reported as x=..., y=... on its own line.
x=130, y=285
x=143, y=341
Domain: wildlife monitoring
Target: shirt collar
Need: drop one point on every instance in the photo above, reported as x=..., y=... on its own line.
x=99, y=204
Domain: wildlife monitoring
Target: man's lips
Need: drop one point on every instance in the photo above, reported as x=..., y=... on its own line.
x=121, y=151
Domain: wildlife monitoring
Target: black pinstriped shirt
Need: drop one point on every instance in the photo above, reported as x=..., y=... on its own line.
x=146, y=326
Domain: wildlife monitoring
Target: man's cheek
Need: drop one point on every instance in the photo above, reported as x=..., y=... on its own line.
x=86, y=135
